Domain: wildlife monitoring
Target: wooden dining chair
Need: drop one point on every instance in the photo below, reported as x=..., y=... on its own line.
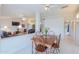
x=38, y=45
x=39, y=48
x=53, y=38
x=56, y=45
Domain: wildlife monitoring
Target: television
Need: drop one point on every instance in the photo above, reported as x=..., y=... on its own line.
x=15, y=23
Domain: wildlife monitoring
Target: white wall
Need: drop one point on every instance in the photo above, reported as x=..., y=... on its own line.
x=0, y=9
x=55, y=24
x=77, y=32
x=5, y=21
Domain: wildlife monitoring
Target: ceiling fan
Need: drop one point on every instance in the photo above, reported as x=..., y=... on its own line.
x=48, y=6
x=65, y=6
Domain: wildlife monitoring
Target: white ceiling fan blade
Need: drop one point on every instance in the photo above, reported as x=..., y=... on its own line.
x=64, y=6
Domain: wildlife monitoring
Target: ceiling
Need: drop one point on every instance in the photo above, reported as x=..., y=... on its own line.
x=29, y=10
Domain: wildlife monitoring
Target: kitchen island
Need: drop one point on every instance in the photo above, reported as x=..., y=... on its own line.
x=16, y=43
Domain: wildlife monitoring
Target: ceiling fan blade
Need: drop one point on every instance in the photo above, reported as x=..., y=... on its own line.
x=64, y=6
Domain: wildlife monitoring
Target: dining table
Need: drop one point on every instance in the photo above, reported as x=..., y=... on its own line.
x=47, y=41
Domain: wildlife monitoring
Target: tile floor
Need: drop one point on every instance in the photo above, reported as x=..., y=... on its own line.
x=67, y=46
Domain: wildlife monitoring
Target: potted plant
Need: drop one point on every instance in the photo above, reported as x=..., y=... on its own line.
x=45, y=32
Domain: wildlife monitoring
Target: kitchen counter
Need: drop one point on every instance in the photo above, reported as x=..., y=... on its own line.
x=15, y=43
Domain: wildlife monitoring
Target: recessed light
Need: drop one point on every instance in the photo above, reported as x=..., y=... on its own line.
x=46, y=8
x=77, y=16
x=5, y=27
x=23, y=19
x=19, y=26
